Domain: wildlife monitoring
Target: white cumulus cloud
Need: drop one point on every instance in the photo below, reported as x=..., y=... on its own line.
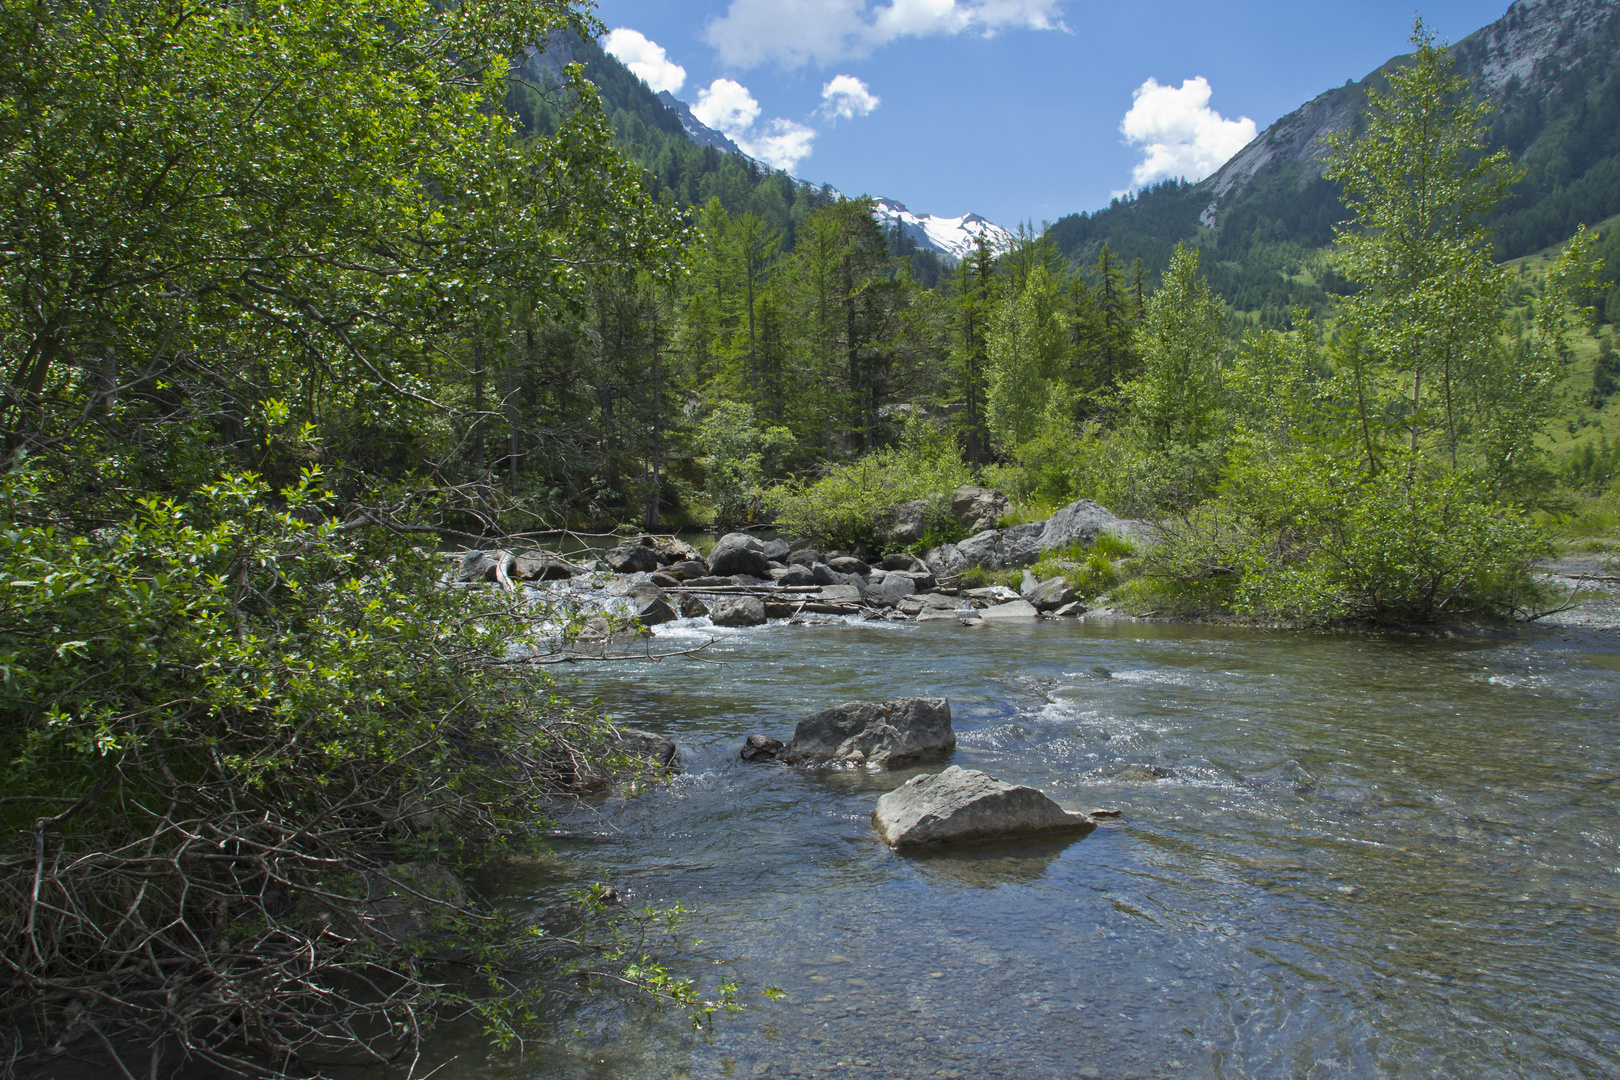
x=797, y=32
x=1179, y=134
x=847, y=97
x=781, y=144
x=646, y=59
x=730, y=109
x=726, y=106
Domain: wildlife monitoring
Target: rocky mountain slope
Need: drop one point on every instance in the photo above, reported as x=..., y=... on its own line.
x=1550, y=68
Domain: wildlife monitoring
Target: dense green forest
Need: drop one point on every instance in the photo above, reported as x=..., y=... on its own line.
x=294, y=295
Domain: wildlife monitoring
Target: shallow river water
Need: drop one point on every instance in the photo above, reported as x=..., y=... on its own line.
x=1339, y=856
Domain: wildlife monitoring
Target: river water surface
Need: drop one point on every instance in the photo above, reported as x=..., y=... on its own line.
x=1339, y=856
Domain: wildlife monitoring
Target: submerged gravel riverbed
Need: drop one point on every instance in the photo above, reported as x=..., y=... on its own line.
x=1340, y=856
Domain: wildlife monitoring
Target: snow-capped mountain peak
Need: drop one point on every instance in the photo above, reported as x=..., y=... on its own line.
x=950, y=236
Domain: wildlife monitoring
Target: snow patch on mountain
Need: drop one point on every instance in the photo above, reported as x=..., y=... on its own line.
x=950, y=236
x=697, y=130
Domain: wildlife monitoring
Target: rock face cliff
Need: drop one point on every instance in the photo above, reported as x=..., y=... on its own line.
x=1539, y=56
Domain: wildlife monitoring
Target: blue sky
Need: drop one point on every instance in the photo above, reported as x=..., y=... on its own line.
x=1009, y=108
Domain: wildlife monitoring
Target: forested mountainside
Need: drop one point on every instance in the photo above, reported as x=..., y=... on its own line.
x=684, y=170
x=692, y=163
x=1550, y=68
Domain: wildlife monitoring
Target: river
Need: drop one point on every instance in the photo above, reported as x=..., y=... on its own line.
x=1340, y=855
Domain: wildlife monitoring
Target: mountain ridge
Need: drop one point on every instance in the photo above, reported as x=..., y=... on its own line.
x=1550, y=68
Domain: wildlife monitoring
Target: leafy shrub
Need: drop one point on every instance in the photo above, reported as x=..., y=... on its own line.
x=736, y=449
x=1309, y=538
x=846, y=506
x=227, y=725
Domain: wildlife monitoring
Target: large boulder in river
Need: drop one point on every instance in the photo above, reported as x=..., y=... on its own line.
x=632, y=557
x=543, y=566
x=884, y=734
x=1048, y=595
x=965, y=806
x=1011, y=610
x=978, y=509
x=653, y=610
x=998, y=549
x=894, y=588
x=496, y=566
x=739, y=553
x=1081, y=522
x=738, y=611
x=794, y=576
x=671, y=551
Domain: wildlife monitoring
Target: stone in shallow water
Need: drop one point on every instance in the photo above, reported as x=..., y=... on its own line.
x=964, y=806
x=1016, y=609
x=738, y=611
x=883, y=734
x=761, y=748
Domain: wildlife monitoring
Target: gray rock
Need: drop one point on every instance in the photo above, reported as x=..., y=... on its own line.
x=496, y=566
x=708, y=581
x=671, y=551
x=804, y=557
x=892, y=589
x=688, y=569
x=981, y=549
x=692, y=607
x=774, y=550
x=761, y=748
x=998, y=549
x=946, y=561
x=1070, y=611
x=654, y=610
x=849, y=564
x=977, y=509
x=738, y=611
x=1083, y=521
x=822, y=574
x=840, y=594
x=542, y=566
x=963, y=806
x=632, y=558
x=904, y=524
x=739, y=553
x=1021, y=544
x=644, y=746
x=913, y=605
x=923, y=580
x=903, y=560
x=885, y=735
x=663, y=580
x=1013, y=609
x=939, y=614
x=992, y=594
x=795, y=575
x=1049, y=595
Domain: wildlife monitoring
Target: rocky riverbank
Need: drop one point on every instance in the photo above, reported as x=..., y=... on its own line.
x=746, y=581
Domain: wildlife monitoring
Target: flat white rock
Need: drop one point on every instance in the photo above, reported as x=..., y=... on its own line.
x=964, y=805
x=1015, y=609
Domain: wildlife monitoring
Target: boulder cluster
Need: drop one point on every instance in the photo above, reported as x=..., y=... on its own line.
x=956, y=806
x=746, y=581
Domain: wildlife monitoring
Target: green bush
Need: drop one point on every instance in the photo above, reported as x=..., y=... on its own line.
x=1308, y=538
x=846, y=506
x=228, y=724
x=736, y=451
